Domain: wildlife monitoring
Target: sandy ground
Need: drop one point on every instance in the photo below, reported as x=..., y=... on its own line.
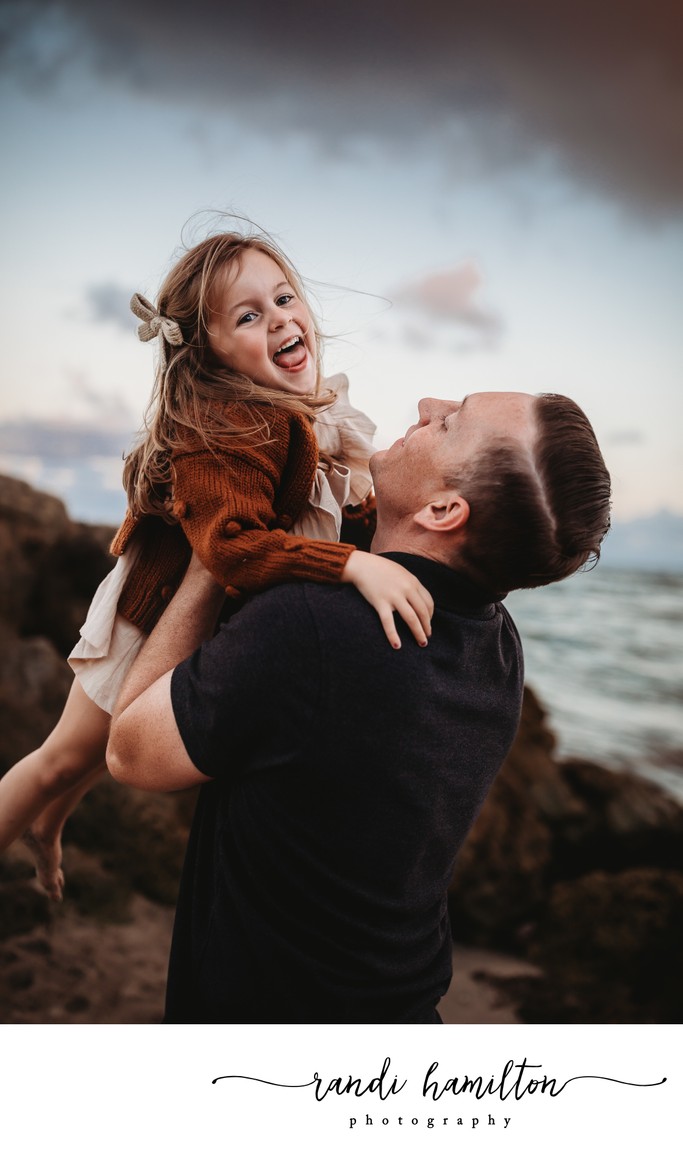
x=470, y=998
x=75, y=969
x=78, y=970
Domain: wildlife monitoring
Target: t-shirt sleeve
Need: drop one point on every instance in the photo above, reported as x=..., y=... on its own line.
x=253, y=692
x=225, y=503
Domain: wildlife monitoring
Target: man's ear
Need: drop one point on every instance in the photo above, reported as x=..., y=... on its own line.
x=449, y=513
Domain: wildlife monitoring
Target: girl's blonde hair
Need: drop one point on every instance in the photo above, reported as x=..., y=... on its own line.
x=194, y=393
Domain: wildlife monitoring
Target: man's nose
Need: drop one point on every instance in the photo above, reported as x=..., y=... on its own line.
x=430, y=409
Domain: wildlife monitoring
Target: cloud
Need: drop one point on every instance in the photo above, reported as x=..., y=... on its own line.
x=109, y=303
x=449, y=296
x=88, y=404
x=628, y=437
x=64, y=440
x=596, y=89
x=428, y=311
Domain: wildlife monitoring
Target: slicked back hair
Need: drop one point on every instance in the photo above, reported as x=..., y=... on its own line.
x=536, y=518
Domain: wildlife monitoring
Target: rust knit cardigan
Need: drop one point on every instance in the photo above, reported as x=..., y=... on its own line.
x=234, y=508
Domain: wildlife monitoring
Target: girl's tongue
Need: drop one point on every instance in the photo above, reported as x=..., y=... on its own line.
x=291, y=357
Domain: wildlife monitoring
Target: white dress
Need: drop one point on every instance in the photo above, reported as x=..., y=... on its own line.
x=109, y=643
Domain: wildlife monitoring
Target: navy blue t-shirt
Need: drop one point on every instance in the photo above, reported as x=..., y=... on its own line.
x=345, y=778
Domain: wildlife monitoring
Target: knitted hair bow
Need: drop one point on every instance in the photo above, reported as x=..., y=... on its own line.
x=154, y=323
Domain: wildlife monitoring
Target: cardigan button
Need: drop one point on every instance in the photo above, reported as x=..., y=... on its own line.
x=285, y=521
x=231, y=528
x=180, y=509
x=233, y=592
x=166, y=593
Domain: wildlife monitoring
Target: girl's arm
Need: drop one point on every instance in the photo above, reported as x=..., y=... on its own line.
x=225, y=504
x=388, y=587
x=145, y=747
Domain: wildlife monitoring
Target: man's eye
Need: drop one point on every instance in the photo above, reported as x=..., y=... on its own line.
x=246, y=318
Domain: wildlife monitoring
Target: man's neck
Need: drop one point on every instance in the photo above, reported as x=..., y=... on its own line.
x=408, y=543
x=438, y=573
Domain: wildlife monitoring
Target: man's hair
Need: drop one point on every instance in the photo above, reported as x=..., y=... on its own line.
x=536, y=518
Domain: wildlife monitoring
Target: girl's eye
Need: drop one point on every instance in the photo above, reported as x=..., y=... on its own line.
x=284, y=299
x=246, y=318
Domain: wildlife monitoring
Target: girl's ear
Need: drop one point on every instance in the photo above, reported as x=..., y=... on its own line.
x=447, y=514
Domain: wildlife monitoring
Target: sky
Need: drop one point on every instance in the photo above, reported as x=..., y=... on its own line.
x=480, y=195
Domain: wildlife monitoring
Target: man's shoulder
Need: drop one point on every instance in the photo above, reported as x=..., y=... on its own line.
x=298, y=615
x=301, y=597
x=283, y=604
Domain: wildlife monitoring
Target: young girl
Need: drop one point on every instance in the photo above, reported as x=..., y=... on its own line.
x=230, y=467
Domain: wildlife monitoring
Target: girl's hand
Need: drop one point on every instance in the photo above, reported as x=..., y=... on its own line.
x=388, y=587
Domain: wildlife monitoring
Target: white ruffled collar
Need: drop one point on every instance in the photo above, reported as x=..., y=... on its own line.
x=346, y=435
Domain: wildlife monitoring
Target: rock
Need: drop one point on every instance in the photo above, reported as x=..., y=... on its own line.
x=139, y=838
x=626, y=822
x=22, y=906
x=544, y=821
x=578, y=868
x=49, y=570
x=31, y=522
x=118, y=841
x=611, y=948
x=70, y=572
x=34, y=683
x=502, y=875
x=49, y=566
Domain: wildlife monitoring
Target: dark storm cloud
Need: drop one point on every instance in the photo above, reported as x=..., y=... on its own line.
x=595, y=85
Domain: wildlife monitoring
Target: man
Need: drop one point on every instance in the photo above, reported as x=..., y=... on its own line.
x=346, y=774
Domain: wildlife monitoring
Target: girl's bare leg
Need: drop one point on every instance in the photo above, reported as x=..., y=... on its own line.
x=66, y=762
x=44, y=836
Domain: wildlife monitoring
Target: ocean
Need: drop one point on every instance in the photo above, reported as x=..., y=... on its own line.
x=604, y=653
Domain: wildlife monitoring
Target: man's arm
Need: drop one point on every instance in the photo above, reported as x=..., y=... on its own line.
x=145, y=749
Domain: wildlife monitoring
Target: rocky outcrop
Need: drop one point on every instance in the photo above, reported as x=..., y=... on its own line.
x=501, y=877
x=625, y=822
x=545, y=821
x=579, y=869
x=49, y=566
x=49, y=569
x=569, y=864
x=611, y=950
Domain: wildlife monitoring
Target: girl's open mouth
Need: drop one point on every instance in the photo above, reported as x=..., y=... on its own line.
x=292, y=354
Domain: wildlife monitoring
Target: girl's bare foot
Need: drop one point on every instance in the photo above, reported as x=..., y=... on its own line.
x=47, y=857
